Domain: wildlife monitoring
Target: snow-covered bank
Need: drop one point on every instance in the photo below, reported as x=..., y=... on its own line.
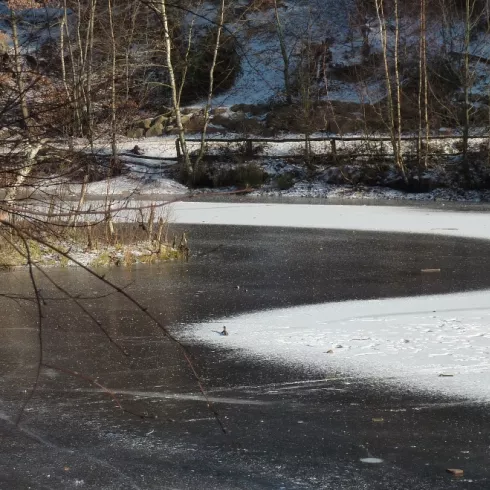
x=435, y=343
x=151, y=170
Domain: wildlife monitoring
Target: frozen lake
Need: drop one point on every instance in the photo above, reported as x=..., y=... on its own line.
x=290, y=424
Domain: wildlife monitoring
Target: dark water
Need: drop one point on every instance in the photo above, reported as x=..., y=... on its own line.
x=286, y=429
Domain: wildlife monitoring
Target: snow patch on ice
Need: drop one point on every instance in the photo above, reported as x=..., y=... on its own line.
x=435, y=343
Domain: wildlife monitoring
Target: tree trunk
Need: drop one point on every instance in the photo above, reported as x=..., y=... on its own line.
x=32, y=148
x=113, y=83
x=186, y=162
x=19, y=82
x=391, y=106
x=23, y=172
x=466, y=93
x=398, y=125
x=89, y=49
x=284, y=54
x=75, y=79
x=211, y=87
x=423, y=102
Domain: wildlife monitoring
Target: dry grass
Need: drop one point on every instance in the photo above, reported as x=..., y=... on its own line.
x=92, y=245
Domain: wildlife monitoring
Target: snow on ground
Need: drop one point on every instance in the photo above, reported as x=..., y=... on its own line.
x=348, y=192
x=338, y=21
x=128, y=186
x=155, y=146
x=435, y=343
x=149, y=173
x=164, y=147
x=35, y=25
x=363, y=92
x=261, y=78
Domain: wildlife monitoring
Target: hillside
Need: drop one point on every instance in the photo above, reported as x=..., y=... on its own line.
x=99, y=74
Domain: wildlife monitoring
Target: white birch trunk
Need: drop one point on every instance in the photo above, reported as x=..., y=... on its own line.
x=173, y=85
x=209, y=100
x=23, y=172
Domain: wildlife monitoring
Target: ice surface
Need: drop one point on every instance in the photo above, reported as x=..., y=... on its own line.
x=438, y=343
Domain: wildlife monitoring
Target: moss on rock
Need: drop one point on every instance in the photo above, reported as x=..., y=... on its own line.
x=155, y=130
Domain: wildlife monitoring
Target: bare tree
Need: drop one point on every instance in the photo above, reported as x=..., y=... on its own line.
x=284, y=53
x=161, y=8
x=423, y=95
x=392, y=95
x=209, y=100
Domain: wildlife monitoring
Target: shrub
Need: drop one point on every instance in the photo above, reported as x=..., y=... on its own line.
x=241, y=176
x=285, y=181
x=214, y=175
x=200, y=178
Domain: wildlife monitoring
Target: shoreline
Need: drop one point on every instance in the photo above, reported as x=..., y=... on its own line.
x=91, y=247
x=433, y=218
x=347, y=195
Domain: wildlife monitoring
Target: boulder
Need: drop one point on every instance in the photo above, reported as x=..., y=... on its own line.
x=136, y=133
x=172, y=130
x=155, y=130
x=160, y=120
x=185, y=118
x=333, y=175
x=145, y=124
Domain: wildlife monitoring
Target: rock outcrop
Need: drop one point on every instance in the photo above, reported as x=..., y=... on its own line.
x=157, y=126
